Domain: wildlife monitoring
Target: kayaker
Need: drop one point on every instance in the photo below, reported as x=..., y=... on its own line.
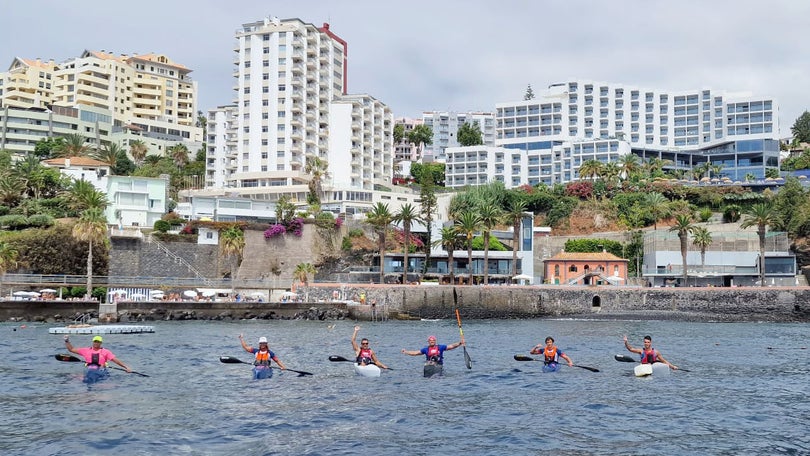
x=433, y=352
x=551, y=353
x=365, y=355
x=95, y=357
x=648, y=354
x=262, y=358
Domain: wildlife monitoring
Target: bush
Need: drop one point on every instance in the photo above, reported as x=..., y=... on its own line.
x=162, y=226
x=355, y=232
x=325, y=220
x=14, y=221
x=274, y=230
x=346, y=243
x=40, y=221
x=705, y=214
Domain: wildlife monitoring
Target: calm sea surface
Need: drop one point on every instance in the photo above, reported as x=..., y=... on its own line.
x=740, y=397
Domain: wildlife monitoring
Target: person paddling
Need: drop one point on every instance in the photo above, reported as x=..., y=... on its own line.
x=95, y=359
x=648, y=354
x=364, y=354
x=551, y=354
x=263, y=358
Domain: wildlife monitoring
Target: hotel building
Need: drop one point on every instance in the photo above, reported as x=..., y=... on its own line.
x=545, y=140
x=445, y=127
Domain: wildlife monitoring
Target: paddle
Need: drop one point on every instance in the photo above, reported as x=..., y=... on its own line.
x=467, y=360
x=232, y=360
x=73, y=359
x=630, y=359
x=340, y=359
x=529, y=358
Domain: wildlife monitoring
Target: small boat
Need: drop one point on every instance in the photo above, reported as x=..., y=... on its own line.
x=95, y=374
x=551, y=367
x=368, y=370
x=655, y=369
x=433, y=368
x=262, y=372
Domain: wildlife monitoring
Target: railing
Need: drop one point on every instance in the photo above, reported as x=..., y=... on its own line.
x=174, y=257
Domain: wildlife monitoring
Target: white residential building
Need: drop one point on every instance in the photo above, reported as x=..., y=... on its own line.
x=551, y=136
x=82, y=168
x=21, y=129
x=135, y=201
x=445, y=125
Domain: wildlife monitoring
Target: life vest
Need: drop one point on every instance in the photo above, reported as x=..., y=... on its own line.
x=434, y=354
x=364, y=357
x=550, y=355
x=94, y=361
x=649, y=357
x=262, y=358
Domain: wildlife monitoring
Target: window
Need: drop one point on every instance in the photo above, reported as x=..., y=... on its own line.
x=573, y=268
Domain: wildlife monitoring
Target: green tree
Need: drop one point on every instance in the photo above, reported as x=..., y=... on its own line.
x=701, y=238
x=399, y=133
x=8, y=257
x=202, y=122
x=138, y=150
x=407, y=216
x=801, y=128
x=380, y=219
x=683, y=226
x=658, y=206
x=91, y=228
x=428, y=203
x=179, y=154
x=529, y=95
x=317, y=168
x=514, y=217
x=46, y=148
x=435, y=169
x=231, y=246
x=74, y=145
x=760, y=215
x=448, y=240
x=489, y=215
x=285, y=210
x=301, y=274
x=83, y=195
x=629, y=164
x=420, y=135
x=590, y=169
x=467, y=224
x=108, y=154
x=469, y=134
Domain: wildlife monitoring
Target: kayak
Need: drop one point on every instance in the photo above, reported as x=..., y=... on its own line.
x=262, y=372
x=551, y=367
x=95, y=374
x=369, y=370
x=432, y=369
x=655, y=369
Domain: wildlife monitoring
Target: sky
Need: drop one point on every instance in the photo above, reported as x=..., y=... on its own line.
x=450, y=55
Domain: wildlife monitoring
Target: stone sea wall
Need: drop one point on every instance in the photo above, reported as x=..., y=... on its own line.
x=474, y=302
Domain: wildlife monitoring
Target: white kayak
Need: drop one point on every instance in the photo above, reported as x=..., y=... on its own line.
x=369, y=370
x=655, y=369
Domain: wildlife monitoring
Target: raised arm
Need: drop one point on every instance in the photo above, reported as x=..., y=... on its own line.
x=537, y=349
x=354, y=341
x=244, y=345
x=629, y=348
x=69, y=346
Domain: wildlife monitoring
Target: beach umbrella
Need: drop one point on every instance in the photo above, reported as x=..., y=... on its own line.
x=47, y=290
x=190, y=294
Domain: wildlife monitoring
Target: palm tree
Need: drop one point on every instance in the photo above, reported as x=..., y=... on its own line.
x=108, y=154
x=407, y=215
x=702, y=239
x=448, y=241
x=231, y=245
x=380, y=218
x=138, y=150
x=301, y=272
x=658, y=205
x=629, y=164
x=83, y=195
x=316, y=167
x=467, y=224
x=514, y=217
x=611, y=172
x=91, y=228
x=683, y=225
x=489, y=215
x=179, y=154
x=761, y=215
x=11, y=188
x=75, y=145
x=591, y=169
x=8, y=258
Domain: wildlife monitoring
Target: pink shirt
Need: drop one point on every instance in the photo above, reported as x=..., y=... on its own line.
x=104, y=355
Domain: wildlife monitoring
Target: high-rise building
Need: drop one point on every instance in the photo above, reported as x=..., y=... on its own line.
x=291, y=105
x=445, y=125
x=27, y=84
x=545, y=140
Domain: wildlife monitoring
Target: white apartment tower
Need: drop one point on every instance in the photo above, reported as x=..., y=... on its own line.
x=291, y=104
x=445, y=125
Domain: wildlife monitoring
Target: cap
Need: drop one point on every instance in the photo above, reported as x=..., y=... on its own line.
x=97, y=339
x=262, y=340
x=432, y=338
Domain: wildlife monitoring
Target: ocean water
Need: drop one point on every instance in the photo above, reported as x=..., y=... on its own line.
x=746, y=392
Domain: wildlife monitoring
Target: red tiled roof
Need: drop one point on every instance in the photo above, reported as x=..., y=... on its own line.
x=75, y=161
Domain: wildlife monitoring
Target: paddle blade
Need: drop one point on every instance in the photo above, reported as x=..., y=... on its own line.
x=592, y=369
x=131, y=372
x=68, y=358
x=231, y=360
x=336, y=358
x=523, y=358
x=467, y=360
x=625, y=359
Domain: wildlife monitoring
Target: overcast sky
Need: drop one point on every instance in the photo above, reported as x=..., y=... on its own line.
x=455, y=55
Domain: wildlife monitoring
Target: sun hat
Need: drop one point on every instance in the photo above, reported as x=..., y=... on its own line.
x=97, y=339
x=262, y=340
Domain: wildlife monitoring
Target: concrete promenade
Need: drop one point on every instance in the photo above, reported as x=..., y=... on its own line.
x=782, y=304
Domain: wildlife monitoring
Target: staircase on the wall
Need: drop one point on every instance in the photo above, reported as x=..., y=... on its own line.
x=175, y=258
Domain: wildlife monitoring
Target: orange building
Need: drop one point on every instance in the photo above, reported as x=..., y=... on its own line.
x=576, y=268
